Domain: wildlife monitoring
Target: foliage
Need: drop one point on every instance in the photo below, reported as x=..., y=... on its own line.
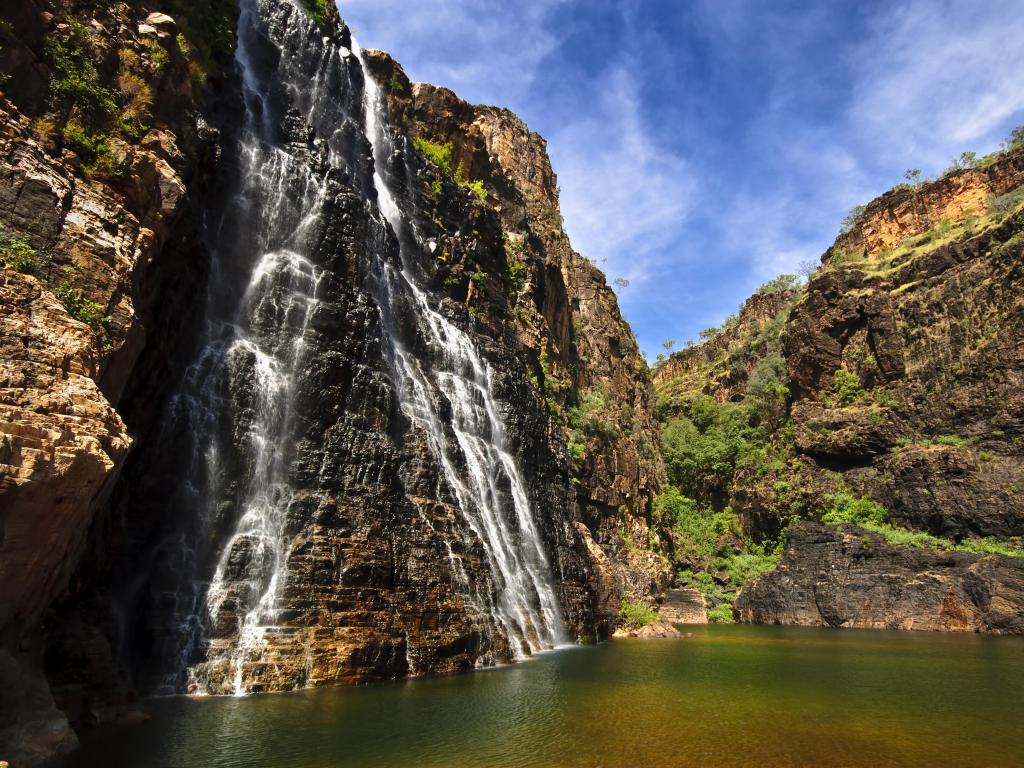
x=779, y=284
x=577, y=451
x=808, y=267
x=846, y=387
x=75, y=82
x=965, y=161
x=636, y=615
x=621, y=282
x=517, y=272
x=439, y=154
x=18, y=254
x=590, y=415
x=1016, y=140
x=80, y=307
x=210, y=35
x=843, y=508
x=954, y=441
x=850, y=221
x=476, y=187
x=317, y=10
x=1004, y=204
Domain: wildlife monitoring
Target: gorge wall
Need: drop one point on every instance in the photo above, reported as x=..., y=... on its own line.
x=882, y=399
x=304, y=383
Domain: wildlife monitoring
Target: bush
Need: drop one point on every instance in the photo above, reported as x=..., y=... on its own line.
x=80, y=307
x=636, y=615
x=317, y=10
x=848, y=223
x=992, y=546
x=846, y=387
x=589, y=416
x=75, y=82
x=779, y=284
x=721, y=614
x=18, y=254
x=439, y=154
x=843, y=509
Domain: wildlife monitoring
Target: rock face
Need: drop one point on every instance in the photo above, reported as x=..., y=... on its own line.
x=847, y=577
x=563, y=314
x=901, y=371
x=683, y=606
x=224, y=474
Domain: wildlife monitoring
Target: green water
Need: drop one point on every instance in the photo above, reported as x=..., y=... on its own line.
x=727, y=696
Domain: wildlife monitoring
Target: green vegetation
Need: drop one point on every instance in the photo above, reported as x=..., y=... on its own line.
x=439, y=154
x=850, y=221
x=80, y=307
x=317, y=10
x=846, y=387
x=77, y=93
x=442, y=155
x=210, y=39
x=635, y=615
x=844, y=509
x=590, y=416
x=779, y=284
x=18, y=254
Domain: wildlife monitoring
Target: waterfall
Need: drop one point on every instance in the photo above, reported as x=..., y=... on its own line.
x=526, y=607
x=238, y=397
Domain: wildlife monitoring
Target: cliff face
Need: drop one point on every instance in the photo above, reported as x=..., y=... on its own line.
x=842, y=577
x=901, y=371
x=291, y=400
x=582, y=354
x=98, y=256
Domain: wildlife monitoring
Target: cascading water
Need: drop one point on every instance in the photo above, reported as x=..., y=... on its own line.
x=239, y=396
x=526, y=608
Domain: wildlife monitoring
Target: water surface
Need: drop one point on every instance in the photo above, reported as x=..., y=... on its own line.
x=727, y=696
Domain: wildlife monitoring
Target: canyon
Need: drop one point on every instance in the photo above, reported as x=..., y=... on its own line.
x=304, y=385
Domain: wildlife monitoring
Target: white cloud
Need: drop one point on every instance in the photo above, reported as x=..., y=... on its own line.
x=485, y=50
x=937, y=78
x=624, y=197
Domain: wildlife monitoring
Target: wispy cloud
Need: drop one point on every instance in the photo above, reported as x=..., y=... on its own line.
x=624, y=197
x=935, y=78
x=485, y=50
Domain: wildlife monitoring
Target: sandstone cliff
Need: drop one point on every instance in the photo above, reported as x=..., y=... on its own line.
x=898, y=371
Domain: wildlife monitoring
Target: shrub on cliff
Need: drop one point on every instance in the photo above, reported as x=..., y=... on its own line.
x=779, y=284
x=18, y=254
x=635, y=615
x=843, y=509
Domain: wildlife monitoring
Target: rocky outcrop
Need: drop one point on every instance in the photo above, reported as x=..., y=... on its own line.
x=898, y=372
x=662, y=629
x=683, y=605
x=908, y=210
x=849, y=577
x=710, y=368
x=96, y=265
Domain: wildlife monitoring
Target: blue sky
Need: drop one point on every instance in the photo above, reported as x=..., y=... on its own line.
x=704, y=146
